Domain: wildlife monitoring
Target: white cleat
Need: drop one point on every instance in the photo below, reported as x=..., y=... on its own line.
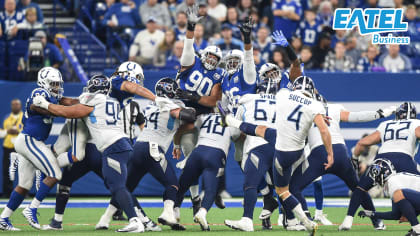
x=294, y=225
x=135, y=226
x=244, y=224
x=31, y=216
x=168, y=216
x=103, y=223
x=310, y=226
x=322, y=218
x=6, y=225
x=200, y=217
x=347, y=223
x=265, y=214
x=151, y=226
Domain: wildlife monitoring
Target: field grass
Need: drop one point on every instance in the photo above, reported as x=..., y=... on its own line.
x=81, y=221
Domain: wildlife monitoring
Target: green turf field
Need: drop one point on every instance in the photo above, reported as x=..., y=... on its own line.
x=79, y=221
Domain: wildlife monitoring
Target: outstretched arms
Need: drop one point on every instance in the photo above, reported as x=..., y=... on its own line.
x=75, y=111
x=295, y=70
x=365, y=116
x=250, y=74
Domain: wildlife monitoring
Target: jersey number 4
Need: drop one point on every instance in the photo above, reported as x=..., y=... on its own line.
x=295, y=116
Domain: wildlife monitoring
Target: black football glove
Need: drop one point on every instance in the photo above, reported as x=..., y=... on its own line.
x=187, y=95
x=246, y=29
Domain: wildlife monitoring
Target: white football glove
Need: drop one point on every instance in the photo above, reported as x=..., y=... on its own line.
x=40, y=101
x=387, y=111
x=192, y=14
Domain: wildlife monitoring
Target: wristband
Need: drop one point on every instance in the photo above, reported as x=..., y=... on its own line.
x=291, y=53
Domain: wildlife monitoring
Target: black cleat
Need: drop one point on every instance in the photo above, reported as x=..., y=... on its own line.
x=266, y=224
x=219, y=202
x=178, y=227
x=119, y=216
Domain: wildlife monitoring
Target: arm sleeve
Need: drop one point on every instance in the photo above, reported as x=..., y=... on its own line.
x=270, y=136
x=250, y=73
x=363, y=116
x=188, y=55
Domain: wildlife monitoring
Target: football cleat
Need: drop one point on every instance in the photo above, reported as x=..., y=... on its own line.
x=322, y=218
x=347, y=223
x=178, y=227
x=270, y=205
x=200, y=217
x=31, y=216
x=6, y=225
x=54, y=225
x=294, y=225
x=266, y=224
x=244, y=224
x=378, y=224
x=280, y=221
x=167, y=218
x=411, y=232
x=135, y=226
x=151, y=226
x=103, y=223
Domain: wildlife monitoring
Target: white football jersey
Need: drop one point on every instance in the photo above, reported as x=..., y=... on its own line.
x=104, y=122
x=211, y=133
x=258, y=109
x=402, y=180
x=399, y=136
x=314, y=137
x=160, y=126
x=294, y=117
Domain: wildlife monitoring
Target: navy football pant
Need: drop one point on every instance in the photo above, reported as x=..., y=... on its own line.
x=401, y=162
x=208, y=162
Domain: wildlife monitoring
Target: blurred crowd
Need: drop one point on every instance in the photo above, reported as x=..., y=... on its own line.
x=153, y=31
x=158, y=28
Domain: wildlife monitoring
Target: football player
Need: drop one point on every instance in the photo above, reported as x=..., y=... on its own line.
x=37, y=155
x=399, y=145
x=404, y=190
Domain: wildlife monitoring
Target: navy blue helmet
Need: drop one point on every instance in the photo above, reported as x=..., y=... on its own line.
x=407, y=110
x=380, y=171
x=305, y=84
x=166, y=87
x=98, y=84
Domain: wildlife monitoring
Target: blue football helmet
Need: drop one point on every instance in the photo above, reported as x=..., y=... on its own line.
x=305, y=84
x=407, y=110
x=166, y=87
x=380, y=171
x=98, y=84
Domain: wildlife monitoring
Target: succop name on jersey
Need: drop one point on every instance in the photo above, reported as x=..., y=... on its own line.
x=300, y=99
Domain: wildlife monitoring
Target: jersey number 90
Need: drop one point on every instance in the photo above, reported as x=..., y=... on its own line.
x=199, y=84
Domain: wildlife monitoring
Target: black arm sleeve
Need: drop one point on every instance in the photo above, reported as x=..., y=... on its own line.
x=291, y=53
x=187, y=115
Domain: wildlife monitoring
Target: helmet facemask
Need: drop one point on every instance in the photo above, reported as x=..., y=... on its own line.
x=233, y=64
x=210, y=61
x=56, y=88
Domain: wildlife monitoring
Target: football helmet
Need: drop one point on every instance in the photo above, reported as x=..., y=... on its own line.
x=234, y=60
x=380, y=171
x=166, y=87
x=305, y=84
x=407, y=110
x=131, y=71
x=51, y=80
x=210, y=57
x=98, y=84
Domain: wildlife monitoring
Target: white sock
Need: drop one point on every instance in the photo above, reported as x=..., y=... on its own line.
x=35, y=203
x=6, y=213
x=63, y=159
x=110, y=211
x=318, y=212
x=299, y=213
x=58, y=217
x=231, y=121
x=195, y=191
x=168, y=205
x=416, y=228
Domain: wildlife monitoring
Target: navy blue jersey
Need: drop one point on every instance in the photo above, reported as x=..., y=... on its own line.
x=199, y=80
x=234, y=86
x=123, y=97
x=34, y=124
x=309, y=33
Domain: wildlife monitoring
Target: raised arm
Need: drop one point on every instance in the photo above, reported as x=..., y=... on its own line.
x=369, y=140
x=250, y=74
x=188, y=55
x=326, y=139
x=295, y=69
x=365, y=116
x=137, y=89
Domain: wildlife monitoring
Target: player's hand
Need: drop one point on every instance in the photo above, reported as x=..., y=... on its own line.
x=246, y=29
x=192, y=14
x=327, y=120
x=40, y=101
x=176, y=153
x=279, y=38
x=386, y=111
x=330, y=162
x=187, y=95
